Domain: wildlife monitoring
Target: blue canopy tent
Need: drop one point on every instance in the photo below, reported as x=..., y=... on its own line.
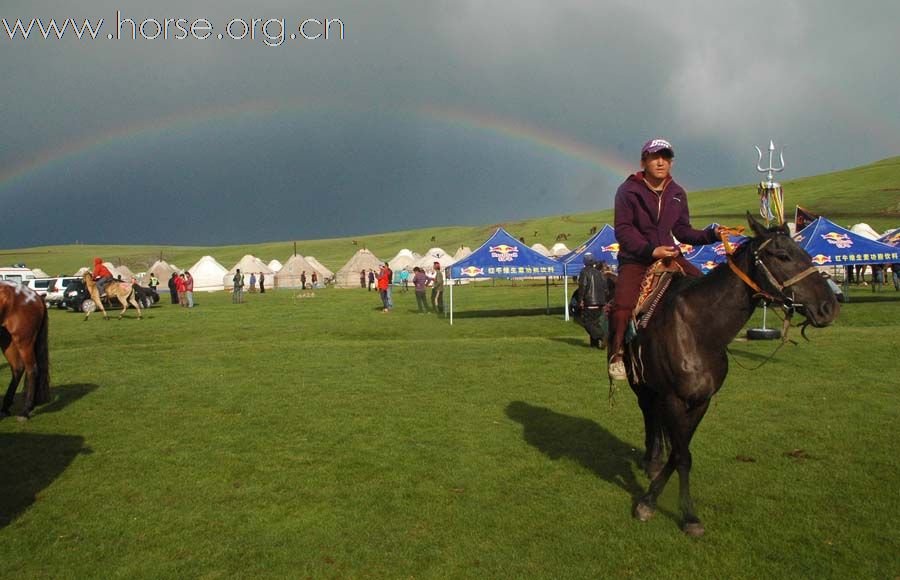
x=602, y=245
x=709, y=256
x=830, y=244
x=892, y=238
x=503, y=256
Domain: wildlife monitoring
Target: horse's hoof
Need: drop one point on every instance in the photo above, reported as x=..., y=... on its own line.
x=643, y=512
x=22, y=418
x=693, y=529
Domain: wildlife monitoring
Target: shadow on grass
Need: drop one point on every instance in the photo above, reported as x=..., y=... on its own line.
x=542, y=311
x=31, y=462
x=593, y=447
x=60, y=397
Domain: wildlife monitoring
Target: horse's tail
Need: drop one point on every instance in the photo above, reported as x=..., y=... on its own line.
x=42, y=354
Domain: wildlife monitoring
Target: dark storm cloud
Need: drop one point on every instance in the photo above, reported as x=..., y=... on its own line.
x=351, y=153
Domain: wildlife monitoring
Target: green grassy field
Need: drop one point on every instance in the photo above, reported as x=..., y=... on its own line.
x=318, y=437
x=870, y=193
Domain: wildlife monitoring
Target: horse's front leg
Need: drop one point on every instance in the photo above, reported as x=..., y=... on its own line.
x=648, y=401
x=124, y=302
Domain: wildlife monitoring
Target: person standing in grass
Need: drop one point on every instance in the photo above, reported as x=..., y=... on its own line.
x=437, y=290
x=189, y=289
x=420, y=281
x=895, y=272
x=362, y=278
x=179, y=288
x=371, y=279
x=303, y=280
x=173, y=289
x=383, y=285
x=237, y=294
x=390, y=282
x=252, y=282
x=315, y=279
x=262, y=283
x=404, y=280
x=154, y=281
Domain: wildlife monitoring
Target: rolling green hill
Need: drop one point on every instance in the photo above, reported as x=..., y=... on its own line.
x=870, y=194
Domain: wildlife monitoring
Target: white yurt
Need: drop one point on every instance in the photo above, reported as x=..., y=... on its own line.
x=540, y=249
x=293, y=269
x=348, y=276
x=462, y=252
x=275, y=266
x=81, y=271
x=559, y=249
x=866, y=231
x=404, y=259
x=324, y=273
x=248, y=265
x=426, y=262
x=162, y=270
x=125, y=272
x=208, y=274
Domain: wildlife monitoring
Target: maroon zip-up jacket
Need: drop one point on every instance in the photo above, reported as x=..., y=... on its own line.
x=645, y=221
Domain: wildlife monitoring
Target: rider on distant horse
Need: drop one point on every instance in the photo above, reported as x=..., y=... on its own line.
x=650, y=208
x=102, y=275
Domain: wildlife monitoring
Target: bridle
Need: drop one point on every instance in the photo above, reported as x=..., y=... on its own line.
x=784, y=300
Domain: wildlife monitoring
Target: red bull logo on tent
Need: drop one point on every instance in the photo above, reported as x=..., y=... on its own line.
x=719, y=249
x=472, y=271
x=820, y=259
x=707, y=266
x=839, y=240
x=686, y=248
x=612, y=249
x=504, y=252
x=894, y=239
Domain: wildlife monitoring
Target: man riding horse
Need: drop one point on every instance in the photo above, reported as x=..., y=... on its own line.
x=102, y=275
x=650, y=208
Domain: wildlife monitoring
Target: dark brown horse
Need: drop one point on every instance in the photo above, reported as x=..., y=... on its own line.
x=23, y=338
x=679, y=362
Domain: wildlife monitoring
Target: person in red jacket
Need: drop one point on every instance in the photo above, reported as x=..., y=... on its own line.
x=102, y=276
x=384, y=281
x=179, y=287
x=650, y=209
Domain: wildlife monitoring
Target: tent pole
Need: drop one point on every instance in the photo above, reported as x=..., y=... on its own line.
x=547, y=282
x=566, y=293
x=451, y=301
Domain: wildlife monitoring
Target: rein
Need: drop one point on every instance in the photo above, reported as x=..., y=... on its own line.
x=785, y=302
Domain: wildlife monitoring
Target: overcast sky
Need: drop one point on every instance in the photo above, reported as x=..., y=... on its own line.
x=426, y=113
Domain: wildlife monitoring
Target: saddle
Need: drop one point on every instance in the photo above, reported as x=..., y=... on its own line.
x=656, y=281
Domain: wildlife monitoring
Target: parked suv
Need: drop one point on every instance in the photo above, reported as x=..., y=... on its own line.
x=40, y=285
x=56, y=293
x=78, y=298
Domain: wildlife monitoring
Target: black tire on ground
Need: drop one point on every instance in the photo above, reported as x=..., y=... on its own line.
x=88, y=306
x=763, y=334
x=147, y=302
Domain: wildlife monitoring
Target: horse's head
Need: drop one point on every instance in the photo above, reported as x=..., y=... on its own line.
x=783, y=269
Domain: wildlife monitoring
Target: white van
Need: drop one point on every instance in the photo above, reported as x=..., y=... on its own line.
x=18, y=275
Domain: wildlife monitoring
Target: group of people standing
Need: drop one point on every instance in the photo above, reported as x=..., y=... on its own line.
x=181, y=288
x=238, y=280
x=420, y=281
